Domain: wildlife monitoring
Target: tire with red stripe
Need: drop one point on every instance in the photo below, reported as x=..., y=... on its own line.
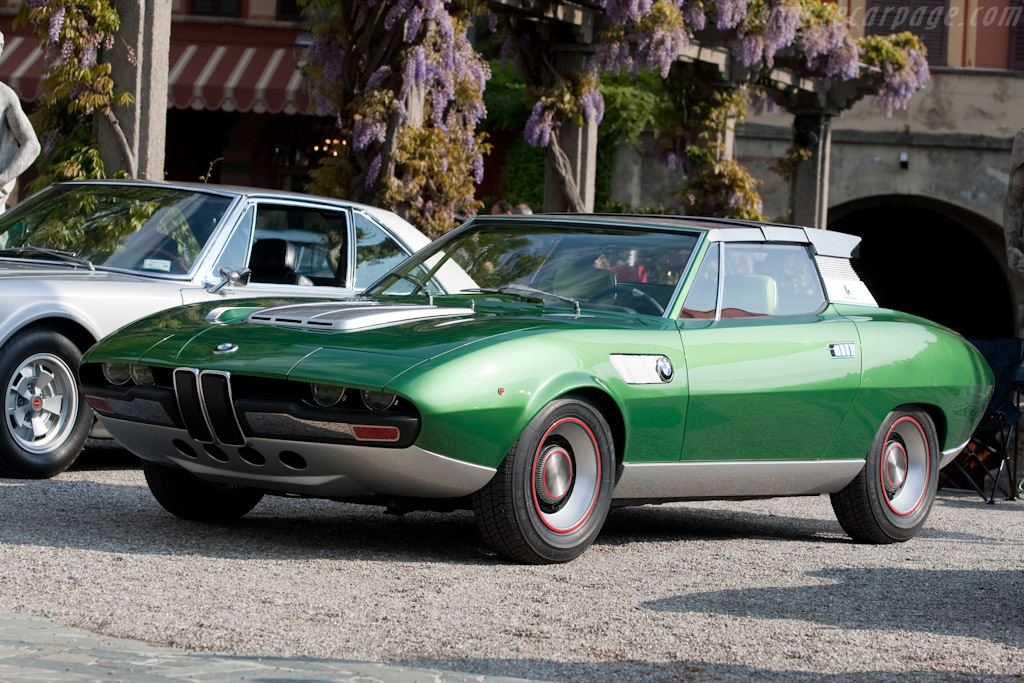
x=549, y=498
x=890, y=499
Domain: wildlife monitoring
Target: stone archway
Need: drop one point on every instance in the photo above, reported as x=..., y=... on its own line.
x=934, y=259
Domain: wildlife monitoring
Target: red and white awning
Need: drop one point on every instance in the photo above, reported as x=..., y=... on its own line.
x=261, y=79
x=21, y=66
x=235, y=78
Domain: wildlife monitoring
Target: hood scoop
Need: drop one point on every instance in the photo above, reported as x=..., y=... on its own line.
x=349, y=316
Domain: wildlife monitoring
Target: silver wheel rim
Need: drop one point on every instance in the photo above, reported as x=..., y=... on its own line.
x=41, y=402
x=905, y=466
x=566, y=475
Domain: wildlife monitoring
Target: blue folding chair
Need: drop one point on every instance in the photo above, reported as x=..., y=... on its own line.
x=998, y=427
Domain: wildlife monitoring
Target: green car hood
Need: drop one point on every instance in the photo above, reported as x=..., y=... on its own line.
x=289, y=346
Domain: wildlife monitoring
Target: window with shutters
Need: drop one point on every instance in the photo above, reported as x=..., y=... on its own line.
x=926, y=19
x=1017, y=35
x=216, y=8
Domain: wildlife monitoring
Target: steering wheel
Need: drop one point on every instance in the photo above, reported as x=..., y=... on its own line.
x=164, y=254
x=638, y=299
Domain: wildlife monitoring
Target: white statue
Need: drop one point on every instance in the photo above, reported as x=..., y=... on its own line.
x=19, y=146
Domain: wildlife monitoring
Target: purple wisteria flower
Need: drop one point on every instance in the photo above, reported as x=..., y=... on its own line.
x=693, y=13
x=729, y=13
x=413, y=23
x=56, y=23
x=748, y=49
x=592, y=104
x=365, y=132
x=372, y=172
x=626, y=11
x=540, y=125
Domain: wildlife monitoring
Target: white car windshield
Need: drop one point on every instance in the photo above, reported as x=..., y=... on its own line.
x=154, y=230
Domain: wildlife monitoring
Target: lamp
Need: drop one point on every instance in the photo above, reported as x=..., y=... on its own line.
x=300, y=49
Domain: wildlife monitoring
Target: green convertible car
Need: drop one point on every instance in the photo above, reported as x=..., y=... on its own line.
x=541, y=369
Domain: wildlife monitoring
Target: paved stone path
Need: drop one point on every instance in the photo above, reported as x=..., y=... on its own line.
x=35, y=649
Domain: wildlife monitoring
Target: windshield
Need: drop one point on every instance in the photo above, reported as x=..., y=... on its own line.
x=155, y=230
x=599, y=268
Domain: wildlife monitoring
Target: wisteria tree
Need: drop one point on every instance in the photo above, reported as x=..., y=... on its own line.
x=406, y=87
x=76, y=87
x=651, y=35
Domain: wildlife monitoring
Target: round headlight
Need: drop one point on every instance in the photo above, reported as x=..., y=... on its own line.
x=326, y=395
x=142, y=375
x=116, y=373
x=378, y=400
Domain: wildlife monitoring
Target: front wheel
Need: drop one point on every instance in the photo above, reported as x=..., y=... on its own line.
x=187, y=496
x=46, y=421
x=890, y=499
x=550, y=497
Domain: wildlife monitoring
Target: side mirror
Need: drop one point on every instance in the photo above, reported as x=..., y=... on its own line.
x=239, y=277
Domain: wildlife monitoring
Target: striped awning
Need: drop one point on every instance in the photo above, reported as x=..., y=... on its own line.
x=235, y=78
x=257, y=78
x=21, y=66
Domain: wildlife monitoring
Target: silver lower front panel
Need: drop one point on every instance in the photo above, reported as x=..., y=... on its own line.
x=734, y=479
x=950, y=455
x=331, y=470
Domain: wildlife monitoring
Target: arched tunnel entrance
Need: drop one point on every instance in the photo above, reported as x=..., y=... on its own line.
x=934, y=260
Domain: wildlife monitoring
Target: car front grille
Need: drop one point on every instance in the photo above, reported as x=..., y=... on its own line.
x=204, y=401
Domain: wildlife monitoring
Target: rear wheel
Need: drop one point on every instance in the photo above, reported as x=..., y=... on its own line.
x=550, y=497
x=189, y=497
x=45, y=420
x=890, y=499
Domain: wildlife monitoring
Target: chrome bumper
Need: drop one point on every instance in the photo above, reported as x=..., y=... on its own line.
x=328, y=471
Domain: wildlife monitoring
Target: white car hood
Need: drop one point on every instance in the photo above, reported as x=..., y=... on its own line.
x=24, y=270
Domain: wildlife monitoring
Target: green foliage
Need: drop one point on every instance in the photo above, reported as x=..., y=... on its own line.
x=522, y=178
x=893, y=49
x=426, y=155
x=76, y=84
x=505, y=98
x=726, y=189
x=786, y=166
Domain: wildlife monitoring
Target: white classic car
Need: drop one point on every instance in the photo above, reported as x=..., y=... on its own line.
x=79, y=260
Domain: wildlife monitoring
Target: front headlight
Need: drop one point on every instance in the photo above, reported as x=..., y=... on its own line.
x=142, y=375
x=117, y=373
x=378, y=400
x=326, y=395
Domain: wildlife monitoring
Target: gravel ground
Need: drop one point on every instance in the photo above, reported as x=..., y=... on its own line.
x=688, y=591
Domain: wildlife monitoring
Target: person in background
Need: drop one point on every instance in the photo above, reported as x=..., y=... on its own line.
x=522, y=209
x=501, y=208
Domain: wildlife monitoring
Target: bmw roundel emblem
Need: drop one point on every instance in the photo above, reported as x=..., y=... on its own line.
x=664, y=367
x=226, y=347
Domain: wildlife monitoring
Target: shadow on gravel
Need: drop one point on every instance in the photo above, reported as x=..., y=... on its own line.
x=657, y=523
x=124, y=518
x=105, y=454
x=945, y=602
x=547, y=669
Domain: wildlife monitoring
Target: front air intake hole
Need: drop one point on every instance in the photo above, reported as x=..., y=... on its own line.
x=293, y=460
x=184, y=449
x=251, y=456
x=215, y=453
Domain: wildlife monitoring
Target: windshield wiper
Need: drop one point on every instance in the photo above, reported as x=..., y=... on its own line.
x=56, y=253
x=527, y=293
x=419, y=285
